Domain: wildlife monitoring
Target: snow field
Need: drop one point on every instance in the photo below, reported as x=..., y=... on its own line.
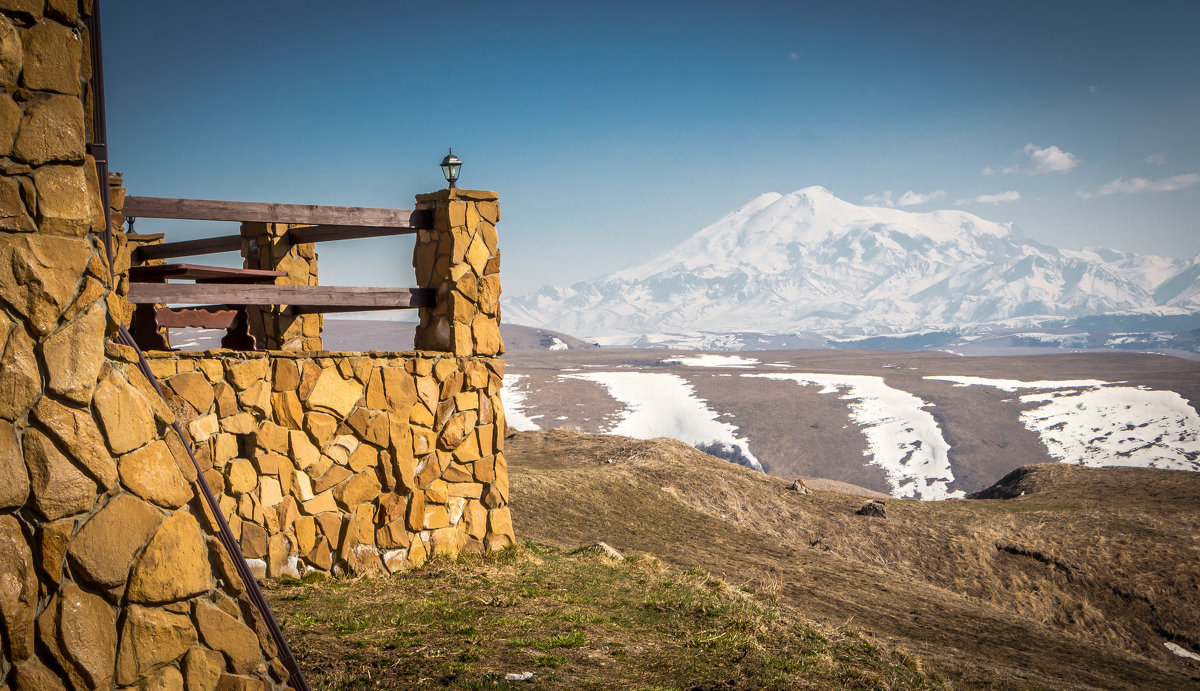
x=1095, y=423
x=902, y=437
x=1013, y=385
x=513, y=399
x=713, y=361
x=666, y=405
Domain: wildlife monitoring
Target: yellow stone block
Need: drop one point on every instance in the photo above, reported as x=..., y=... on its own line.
x=445, y=542
x=423, y=366
x=456, y=214
x=415, y=514
x=491, y=239
x=365, y=456
x=457, y=473
x=436, y=492
x=478, y=254
x=469, y=490
x=257, y=398
x=464, y=344
x=435, y=517
x=376, y=399
x=490, y=211
x=467, y=400
x=445, y=367
x=321, y=503
x=468, y=450
x=305, y=528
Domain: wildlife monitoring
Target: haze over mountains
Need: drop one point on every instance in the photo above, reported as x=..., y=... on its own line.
x=808, y=265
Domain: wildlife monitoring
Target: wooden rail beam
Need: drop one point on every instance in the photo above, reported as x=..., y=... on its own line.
x=156, y=273
x=189, y=248
x=302, y=298
x=266, y=212
x=324, y=233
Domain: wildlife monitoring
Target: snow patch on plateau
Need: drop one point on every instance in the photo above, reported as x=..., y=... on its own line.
x=1013, y=385
x=514, y=400
x=713, y=361
x=666, y=405
x=1096, y=423
x=902, y=437
x=1117, y=425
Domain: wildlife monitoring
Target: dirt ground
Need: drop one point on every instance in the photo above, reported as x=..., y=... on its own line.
x=797, y=432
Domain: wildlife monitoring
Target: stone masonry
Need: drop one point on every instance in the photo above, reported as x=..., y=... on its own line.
x=347, y=462
x=460, y=259
x=266, y=246
x=110, y=576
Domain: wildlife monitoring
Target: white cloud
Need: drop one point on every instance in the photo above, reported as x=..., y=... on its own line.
x=884, y=199
x=1141, y=185
x=1048, y=160
x=1007, y=196
x=1039, y=161
x=911, y=198
x=1155, y=159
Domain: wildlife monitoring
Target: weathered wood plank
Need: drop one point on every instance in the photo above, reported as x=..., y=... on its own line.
x=212, y=317
x=189, y=248
x=418, y=301
x=299, y=296
x=324, y=233
x=200, y=272
x=267, y=212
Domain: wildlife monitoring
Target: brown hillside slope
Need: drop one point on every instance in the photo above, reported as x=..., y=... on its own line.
x=1076, y=584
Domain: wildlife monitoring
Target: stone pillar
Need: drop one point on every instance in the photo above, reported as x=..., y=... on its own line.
x=277, y=327
x=460, y=260
x=110, y=573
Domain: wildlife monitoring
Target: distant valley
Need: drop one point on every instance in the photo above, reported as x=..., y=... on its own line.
x=908, y=424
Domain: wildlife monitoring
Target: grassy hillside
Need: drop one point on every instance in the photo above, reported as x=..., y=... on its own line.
x=1077, y=583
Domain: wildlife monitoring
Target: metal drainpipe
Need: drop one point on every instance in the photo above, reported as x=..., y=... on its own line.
x=98, y=148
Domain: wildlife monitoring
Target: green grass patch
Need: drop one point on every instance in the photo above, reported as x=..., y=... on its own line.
x=576, y=620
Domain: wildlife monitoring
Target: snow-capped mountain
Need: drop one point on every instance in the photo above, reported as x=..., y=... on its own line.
x=810, y=262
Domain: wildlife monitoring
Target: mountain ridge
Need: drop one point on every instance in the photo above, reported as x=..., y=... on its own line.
x=810, y=262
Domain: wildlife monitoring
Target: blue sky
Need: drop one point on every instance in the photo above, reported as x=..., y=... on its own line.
x=614, y=130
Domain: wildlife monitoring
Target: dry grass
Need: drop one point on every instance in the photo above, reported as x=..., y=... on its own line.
x=1080, y=581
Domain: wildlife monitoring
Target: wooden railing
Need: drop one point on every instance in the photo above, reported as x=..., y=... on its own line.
x=224, y=292
x=325, y=222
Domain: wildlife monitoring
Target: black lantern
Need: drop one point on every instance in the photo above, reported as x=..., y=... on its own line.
x=450, y=166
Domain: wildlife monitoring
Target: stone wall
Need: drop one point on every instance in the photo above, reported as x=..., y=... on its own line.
x=347, y=462
x=110, y=574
